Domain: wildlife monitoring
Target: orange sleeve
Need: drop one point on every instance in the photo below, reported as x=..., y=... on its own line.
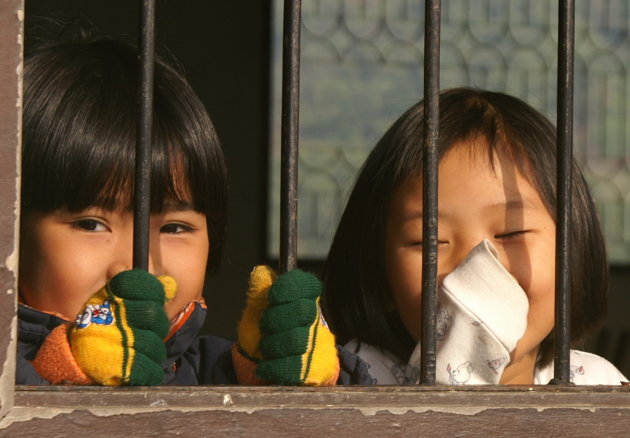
x=245, y=368
x=55, y=361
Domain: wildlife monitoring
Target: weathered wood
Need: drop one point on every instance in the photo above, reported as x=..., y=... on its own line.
x=352, y=411
x=289, y=422
x=467, y=399
x=11, y=32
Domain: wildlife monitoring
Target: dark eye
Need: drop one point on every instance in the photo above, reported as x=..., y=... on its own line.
x=175, y=228
x=89, y=225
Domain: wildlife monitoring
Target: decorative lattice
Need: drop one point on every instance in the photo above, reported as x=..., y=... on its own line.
x=362, y=67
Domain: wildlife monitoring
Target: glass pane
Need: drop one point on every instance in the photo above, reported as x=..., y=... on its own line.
x=362, y=67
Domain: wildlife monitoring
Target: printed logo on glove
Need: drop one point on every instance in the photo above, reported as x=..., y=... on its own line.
x=118, y=338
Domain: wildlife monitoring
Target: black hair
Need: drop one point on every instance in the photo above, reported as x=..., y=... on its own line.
x=356, y=291
x=79, y=125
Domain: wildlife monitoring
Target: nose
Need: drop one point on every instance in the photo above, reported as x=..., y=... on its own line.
x=459, y=249
x=121, y=257
x=119, y=263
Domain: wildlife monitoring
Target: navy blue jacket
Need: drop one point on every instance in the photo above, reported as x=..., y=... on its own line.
x=191, y=359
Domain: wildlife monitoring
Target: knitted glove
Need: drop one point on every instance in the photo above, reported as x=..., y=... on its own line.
x=118, y=337
x=283, y=337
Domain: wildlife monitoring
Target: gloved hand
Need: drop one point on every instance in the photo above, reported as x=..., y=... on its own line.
x=118, y=337
x=283, y=337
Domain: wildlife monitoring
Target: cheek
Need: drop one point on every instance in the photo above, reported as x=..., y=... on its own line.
x=189, y=271
x=405, y=281
x=55, y=283
x=541, y=296
x=537, y=278
x=533, y=266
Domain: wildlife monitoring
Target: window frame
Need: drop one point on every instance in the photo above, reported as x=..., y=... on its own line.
x=143, y=411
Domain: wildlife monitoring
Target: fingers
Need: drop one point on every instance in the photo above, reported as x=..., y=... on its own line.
x=144, y=297
x=287, y=343
x=136, y=285
x=298, y=313
x=293, y=285
x=282, y=371
x=147, y=315
x=260, y=281
x=119, y=338
x=148, y=344
x=170, y=286
x=145, y=372
x=282, y=333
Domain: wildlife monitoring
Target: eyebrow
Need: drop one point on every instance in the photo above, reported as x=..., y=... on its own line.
x=178, y=205
x=519, y=203
x=510, y=204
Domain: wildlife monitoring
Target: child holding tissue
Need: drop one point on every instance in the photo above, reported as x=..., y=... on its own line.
x=496, y=251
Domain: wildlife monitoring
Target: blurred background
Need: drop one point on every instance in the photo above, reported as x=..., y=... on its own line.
x=361, y=68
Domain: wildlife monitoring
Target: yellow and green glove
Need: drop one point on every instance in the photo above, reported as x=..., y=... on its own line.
x=118, y=337
x=283, y=337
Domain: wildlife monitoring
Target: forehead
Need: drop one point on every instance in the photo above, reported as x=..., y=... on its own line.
x=471, y=179
x=170, y=190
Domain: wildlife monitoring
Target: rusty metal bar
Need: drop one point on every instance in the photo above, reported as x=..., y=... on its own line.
x=429, y=189
x=142, y=183
x=290, y=134
x=562, y=329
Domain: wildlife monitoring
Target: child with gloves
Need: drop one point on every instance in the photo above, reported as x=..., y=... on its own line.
x=85, y=317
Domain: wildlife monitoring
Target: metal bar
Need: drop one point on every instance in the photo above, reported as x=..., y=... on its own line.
x=142, y=183
x=429, y=190
x=562, y=329
x=290, y=135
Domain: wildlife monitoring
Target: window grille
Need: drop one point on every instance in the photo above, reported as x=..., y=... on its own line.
x=562, y=329
x=290, y=134
x=428, y=356
x=362, y=66
x=142, y=186
x=290, y=121
x=290, y=110
x=304, y=411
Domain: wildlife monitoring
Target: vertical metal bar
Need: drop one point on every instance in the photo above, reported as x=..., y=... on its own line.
x=429, y=190
x=290, y=134
x=142, y=183
x=562, y=329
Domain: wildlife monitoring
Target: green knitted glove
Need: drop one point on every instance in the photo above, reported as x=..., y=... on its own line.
x=118, y=338
x=283, y=334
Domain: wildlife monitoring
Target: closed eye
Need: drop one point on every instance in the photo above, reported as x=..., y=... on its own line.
x=511, y=235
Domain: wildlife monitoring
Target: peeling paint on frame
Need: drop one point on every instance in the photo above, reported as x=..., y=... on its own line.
x=11, y=47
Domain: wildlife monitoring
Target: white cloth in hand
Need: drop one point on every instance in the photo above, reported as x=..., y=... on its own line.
x=482, y=313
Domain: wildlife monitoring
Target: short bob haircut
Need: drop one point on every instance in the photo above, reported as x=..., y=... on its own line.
x=356, y=293
x=79, y=119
